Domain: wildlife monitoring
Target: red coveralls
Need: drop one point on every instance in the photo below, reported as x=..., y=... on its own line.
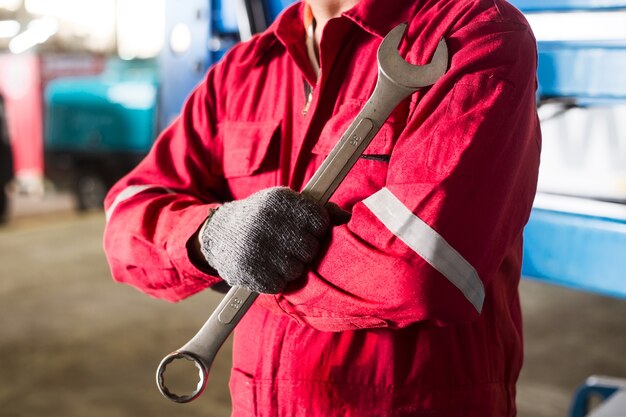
x=412, y=308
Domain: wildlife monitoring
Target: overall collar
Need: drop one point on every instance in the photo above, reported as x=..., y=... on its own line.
x=377, y=17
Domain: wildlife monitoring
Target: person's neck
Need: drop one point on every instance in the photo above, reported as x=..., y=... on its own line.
x=324, y=10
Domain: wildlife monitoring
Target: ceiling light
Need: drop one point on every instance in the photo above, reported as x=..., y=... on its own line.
x=38, y=32
x=11, y=5
x=9, y=28
x=578, y=26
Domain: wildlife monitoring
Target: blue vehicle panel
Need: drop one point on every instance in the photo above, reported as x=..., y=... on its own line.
x=112, y=112
x=532, y=6
x=578, y=251
x=587, y=71
x=214, y=29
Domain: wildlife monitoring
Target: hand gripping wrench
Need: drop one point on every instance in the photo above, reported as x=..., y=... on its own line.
x=397, y=79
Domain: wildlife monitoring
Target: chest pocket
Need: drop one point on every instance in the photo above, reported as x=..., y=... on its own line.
x=370, y=171
x=247, y=155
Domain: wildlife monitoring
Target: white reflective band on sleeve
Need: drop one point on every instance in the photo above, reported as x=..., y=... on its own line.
x=129, y=192
x=427, y=243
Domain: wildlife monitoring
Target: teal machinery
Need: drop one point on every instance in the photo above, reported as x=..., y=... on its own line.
x=97, y=128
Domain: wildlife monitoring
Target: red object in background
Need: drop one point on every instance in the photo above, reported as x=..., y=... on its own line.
x=20, y=84
x=23, y=79
x=60, y=65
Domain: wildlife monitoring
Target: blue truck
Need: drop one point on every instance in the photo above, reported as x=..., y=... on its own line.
x=98, y=127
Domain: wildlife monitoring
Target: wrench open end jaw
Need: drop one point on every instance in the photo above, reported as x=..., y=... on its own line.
x=412, y=77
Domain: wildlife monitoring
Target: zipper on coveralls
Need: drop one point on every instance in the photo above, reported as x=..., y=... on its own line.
x=309, y=25
x=308, y=97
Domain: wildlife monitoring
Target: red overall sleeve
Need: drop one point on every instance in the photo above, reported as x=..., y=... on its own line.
x=459, y=190
x=153, y=211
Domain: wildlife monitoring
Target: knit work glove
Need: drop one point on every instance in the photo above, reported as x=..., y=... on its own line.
x=264, y=242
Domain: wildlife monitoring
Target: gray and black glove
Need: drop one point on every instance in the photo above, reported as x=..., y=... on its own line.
x=263, y=242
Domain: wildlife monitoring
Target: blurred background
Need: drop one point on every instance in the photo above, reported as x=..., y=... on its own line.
x=85, y=87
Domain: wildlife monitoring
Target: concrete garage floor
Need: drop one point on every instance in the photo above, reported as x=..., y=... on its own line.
x=73, y=343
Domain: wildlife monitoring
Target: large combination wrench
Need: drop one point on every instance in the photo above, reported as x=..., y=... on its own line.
x=397, y=79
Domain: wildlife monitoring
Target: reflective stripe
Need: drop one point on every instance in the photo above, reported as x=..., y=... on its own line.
x=129, y=192
x=427, y=243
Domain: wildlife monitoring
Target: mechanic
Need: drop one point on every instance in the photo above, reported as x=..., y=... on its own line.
x=408, y=307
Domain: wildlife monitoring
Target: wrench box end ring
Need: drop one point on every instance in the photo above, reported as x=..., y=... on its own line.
x=160, y=376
